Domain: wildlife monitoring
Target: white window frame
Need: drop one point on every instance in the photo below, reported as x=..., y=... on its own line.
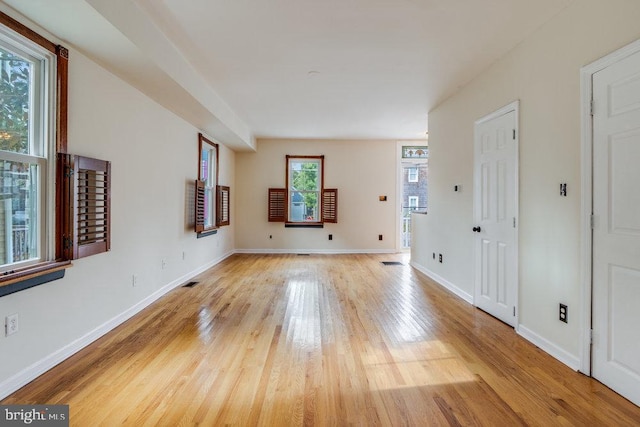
x=413, y=174
x=290, y=188
x=41, y=139
x=210, y=171
x=416, y=200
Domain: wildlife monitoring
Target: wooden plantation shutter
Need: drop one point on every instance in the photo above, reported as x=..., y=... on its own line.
x=222, y=205
x=85, y=220
x=65, y=204
x=93, y=206
x=199, y=207
x=277, y=205
x=330, y=205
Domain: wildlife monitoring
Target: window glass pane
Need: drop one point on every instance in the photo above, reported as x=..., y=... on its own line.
x=304, y=185
x=304, y=206
x=209, y=166
x=18, y=211
x=208, y=174
x=209, y=208
x=304, y=175
x=15, y=102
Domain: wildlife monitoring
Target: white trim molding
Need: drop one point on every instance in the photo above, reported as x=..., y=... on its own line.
x=316, y=251
x=443, y=282
x=586, y=202
x=547, y=346
x=32, y=372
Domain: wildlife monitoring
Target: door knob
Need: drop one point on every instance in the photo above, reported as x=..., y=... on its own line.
x=477, y=229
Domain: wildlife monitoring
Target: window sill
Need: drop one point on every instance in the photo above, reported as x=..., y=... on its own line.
x=32, y=276
x=304, y=225
x=207, y=233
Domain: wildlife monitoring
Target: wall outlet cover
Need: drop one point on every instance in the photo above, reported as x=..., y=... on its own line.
x=11, y=324
x=563, y=314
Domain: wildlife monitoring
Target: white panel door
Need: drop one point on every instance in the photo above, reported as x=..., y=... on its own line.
x=495, y=207
x=616, y=234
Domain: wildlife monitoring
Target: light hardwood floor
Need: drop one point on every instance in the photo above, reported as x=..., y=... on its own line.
x=288, y=340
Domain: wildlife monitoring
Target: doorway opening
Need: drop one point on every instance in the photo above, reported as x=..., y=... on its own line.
x=414, y=188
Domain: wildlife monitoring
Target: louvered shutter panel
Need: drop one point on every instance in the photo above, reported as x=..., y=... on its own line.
x=222, y=205
x=65, y=200
x=330, y=205
x=92, y=213
x=199, y=207
x=277, y=205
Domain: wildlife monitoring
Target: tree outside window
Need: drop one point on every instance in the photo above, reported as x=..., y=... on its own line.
x=23, y=101
x=305, y=184
x=15, y=79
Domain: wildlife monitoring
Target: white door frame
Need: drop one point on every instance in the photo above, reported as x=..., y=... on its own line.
x=513, y=106
x=400, y=183
x=586, y=208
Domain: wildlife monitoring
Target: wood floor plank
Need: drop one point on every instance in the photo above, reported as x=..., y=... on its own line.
x=319, y=340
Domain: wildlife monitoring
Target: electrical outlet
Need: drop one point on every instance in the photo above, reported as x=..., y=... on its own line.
x=184, y=255
x=330, y=236
x=440, y=258
x=11, y=324
x=164, y=263
x=434, y=255
x=563, y=313
x=134, y=280
x=379, y=236
x=563, y=189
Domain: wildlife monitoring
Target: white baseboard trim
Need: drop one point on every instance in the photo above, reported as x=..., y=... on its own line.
x=547, y=346
x=32, y=372
x=316, y=251
x=443, y=282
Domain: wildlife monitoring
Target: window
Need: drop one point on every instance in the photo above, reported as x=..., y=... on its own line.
x=206, y=185
x=212, y=207
x=304, y=182
x=54, y=207
x=413, y=202
x=33, y=94
x=305, y=201
x=412, y=174
x=25, y=82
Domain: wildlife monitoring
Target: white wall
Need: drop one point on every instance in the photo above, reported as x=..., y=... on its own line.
x=543, y=73
x=360, y=170
x=154, y=162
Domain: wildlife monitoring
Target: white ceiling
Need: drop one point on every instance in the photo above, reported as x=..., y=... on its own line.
x=365, y=69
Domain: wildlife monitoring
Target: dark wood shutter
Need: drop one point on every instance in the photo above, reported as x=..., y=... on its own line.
x=222, y=205
x=92, y=213
x=330, y=205
x=277, y=205
x=199, y=207
x=65, y=205
x=84, y=194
